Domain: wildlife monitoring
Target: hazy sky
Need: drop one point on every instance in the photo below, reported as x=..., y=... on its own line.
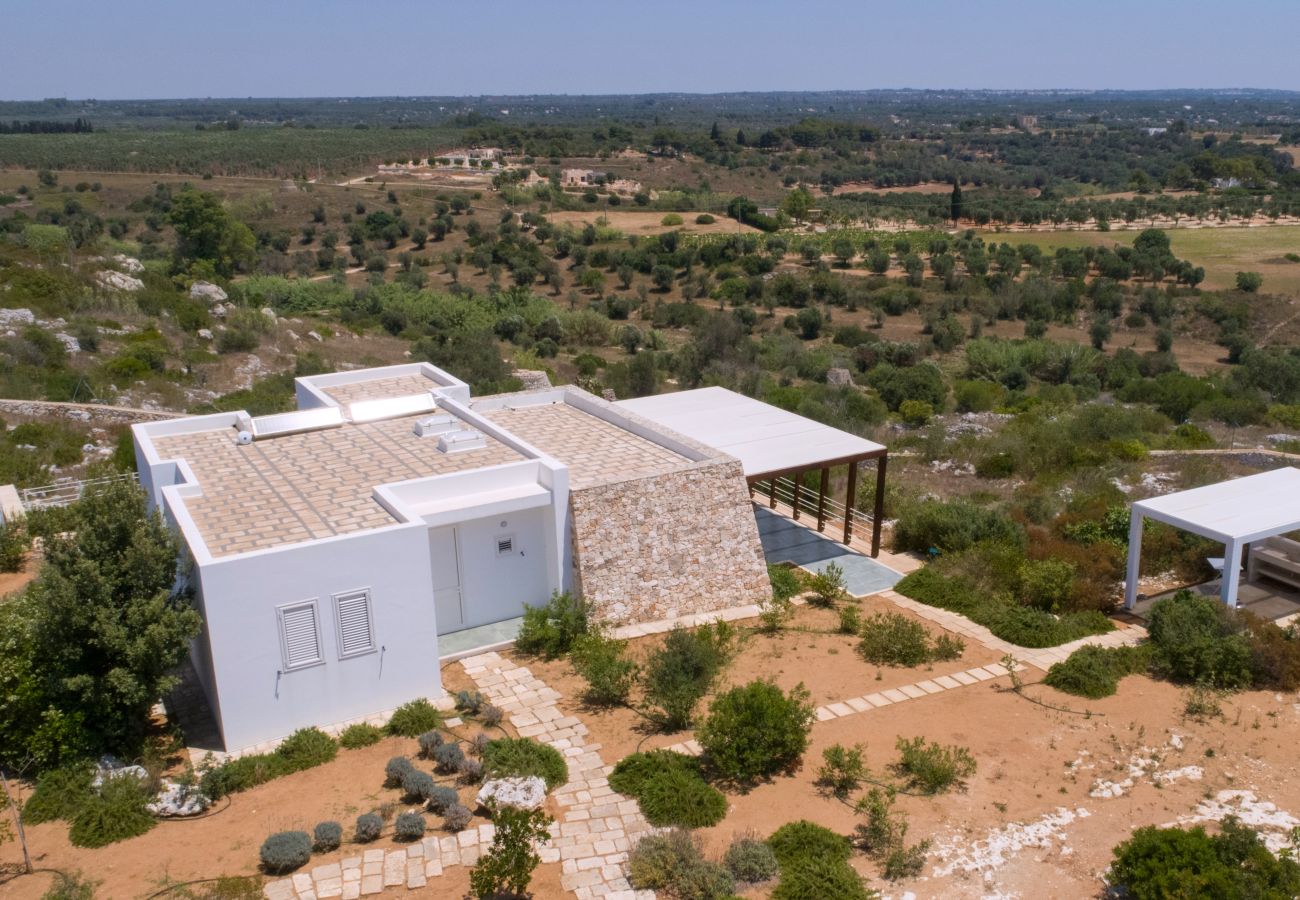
x=111, y=49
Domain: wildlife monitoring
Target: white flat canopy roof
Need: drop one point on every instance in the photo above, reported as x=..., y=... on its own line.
x=765, y=438
x=1243, y=509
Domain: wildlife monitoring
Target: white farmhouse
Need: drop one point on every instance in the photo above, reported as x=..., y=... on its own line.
x=333, y=546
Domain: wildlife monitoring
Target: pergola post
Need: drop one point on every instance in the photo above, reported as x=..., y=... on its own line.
x=849, y=500
x=771, y=492
x=821, y=498
x=878, y=512
x=1231, y=572
x=1134, y=557
x=798, y=493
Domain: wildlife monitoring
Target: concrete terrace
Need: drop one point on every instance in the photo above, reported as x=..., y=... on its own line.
x=315, y=484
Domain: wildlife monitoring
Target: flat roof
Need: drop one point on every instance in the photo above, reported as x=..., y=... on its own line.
x=1247, y=508
x=766, y=439
x=596, y=451
x=379, y=388
x=311, y=484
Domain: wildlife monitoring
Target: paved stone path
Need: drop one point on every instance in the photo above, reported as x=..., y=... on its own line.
x=598, y=826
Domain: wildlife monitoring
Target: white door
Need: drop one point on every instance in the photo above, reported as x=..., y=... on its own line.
x=447, y=605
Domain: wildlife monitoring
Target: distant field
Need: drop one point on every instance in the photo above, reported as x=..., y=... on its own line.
x=648, y=222
x=1222, y=251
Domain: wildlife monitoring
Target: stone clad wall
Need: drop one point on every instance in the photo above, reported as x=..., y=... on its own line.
x=669, y=545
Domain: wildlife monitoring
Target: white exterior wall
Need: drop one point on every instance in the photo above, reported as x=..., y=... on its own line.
x=494, y=588
x=241, y=597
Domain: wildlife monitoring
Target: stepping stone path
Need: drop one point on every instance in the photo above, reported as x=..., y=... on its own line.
x=598, y=826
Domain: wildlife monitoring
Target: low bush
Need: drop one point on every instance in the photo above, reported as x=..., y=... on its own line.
x=549, y=631
x=931, y=767
x=797, y=841
x=819, y=879
x=750, y=861
x=285, y=851
x=409, y=827
x=1156, y=863
x=442, y=798
x=671, y=219
x=326, y=837
x=59, y=794
x=683, y=799
x=14, y=544
x=827, y=586
x=756, y=730
x=396, y=770
x=1198, y=640
x=457, y=817
x=1094, y=672
x=633, y=772
x=362, y=734
x=850, y=620
x=774, y=613
x=950, y=526
x=414, y=719
x=673, y=864
x=369, y=827
x=706, y=219
x=682, y=670
x=74, y=886
x=115, y=812
x=471, y=771
x=306, y=748
x=842, y=771
x=417, y=786
x=883, y=836
x=507, y=867
x=892, y=639
x=429, y=742
x=602, y=662
x=520, y=757
x=448, y=758
x=470, y=702
x=786, y=581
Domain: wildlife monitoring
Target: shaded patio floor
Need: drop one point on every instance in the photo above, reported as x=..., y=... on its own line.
x=785, y=540
x=1267, y=599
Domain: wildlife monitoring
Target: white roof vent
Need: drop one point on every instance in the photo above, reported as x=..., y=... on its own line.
x=461, y=440
x=435, y=425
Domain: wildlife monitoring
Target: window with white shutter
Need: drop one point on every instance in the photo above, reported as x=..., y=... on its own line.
x=355, y=624
x=300, y=635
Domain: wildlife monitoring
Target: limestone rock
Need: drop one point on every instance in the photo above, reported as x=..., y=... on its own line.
x=206, y=290
x=205, y=334
x=838, y=377
x=10, y=317
x=129, y=264
x=118, y=281
x=519, y=793
x=71, y=344
x=176, y=799
x=314, y=336
x=269, y=313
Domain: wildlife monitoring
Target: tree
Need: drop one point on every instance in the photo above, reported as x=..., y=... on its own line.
x=797, y=203
x=1249, y=282
x=92, y=644
x=206, y=232
x=1099, y=333
x=955, y=202
x=507, y=868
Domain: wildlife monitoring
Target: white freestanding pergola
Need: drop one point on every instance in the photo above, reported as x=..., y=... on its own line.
x=1236, y=512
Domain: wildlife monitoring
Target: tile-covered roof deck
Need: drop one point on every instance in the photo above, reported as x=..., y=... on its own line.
x=595, y=450
x=312, y=485
x=378, y=388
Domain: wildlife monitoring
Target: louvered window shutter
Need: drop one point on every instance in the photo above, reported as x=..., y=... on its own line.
x=301, y=635
x=355, y=632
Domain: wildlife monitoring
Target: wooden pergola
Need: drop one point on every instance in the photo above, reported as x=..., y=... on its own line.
x=771, y=444
x=796, y=474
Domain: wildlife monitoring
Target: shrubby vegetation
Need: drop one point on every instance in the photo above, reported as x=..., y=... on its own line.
x=520, y=757
x=670, y=788
x=895, y=640
x=550, y=631
x=756, y=730
x=1175, y=862
x=679, y=673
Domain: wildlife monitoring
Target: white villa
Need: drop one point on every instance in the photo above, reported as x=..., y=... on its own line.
x=333, y=546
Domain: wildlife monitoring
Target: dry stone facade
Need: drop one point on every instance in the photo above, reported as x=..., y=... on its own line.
x=670, y=545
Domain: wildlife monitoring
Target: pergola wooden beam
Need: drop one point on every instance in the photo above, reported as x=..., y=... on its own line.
x=880, y=456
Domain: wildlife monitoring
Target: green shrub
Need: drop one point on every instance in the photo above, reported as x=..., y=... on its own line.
x=827, y=586
x=602, y=662
x=773, y=614
x=883, y=836
x=681, y=671
x=59, y=794
x=1094, y=672
x=414, y=719
x=674, y=865
x=70, y=886
x=952, y=526
x=1158, y=863
x=671, y=219
x=706, y=219
x=520, y=757
x=14, y=543
x=549, y=631
x=409, y=827
x=842, y=771
x=369, y=827
x=285, y=851
x=117, y=811
x=676, y=797
x=756, y=730
x=932, y=768
x=850, y=620
x=362, y=734
x=786, y=581
x=633, y=772
x=892, y=639
x=1196, y=639
x=507, y=867
x=470, y=702
x=307, y=748
x=327, y=837
x=396, y=770
x=1046, y=583
x=819, y=879
x=750, y=861
x=801, y=840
